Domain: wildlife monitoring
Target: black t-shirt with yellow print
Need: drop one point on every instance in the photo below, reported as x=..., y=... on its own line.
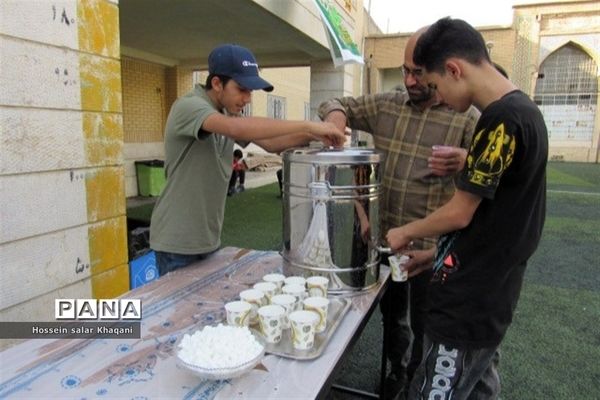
x=479, y=270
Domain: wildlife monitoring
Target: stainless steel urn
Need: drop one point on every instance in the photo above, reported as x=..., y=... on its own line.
x=331, y=216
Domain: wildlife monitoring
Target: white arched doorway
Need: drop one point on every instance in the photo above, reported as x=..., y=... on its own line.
x=567, y=93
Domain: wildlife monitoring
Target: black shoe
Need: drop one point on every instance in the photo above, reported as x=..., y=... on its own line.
x=240, y=189
x=230, y=192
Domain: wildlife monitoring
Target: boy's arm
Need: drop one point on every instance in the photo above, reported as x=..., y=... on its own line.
x=283, y=142
x=257, y=128
x=454, y=215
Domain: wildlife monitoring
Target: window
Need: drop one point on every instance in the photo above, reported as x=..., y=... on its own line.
x=307, y=111
x=199, y=77
x=567, y=92
x=247, y=110
x=276, y=107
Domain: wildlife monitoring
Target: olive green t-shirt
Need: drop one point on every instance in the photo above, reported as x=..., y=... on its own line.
x=188, y=215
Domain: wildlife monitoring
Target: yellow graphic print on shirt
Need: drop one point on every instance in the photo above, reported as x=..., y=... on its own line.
x=487, y=160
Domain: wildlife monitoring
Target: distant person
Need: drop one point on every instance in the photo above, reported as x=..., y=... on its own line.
x=490, y=227
x=238, y=172
x=199, y=135
x=425, y=145
x=279, y=174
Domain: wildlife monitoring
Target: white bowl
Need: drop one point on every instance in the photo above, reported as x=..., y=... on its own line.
x=222, y=373
x=225, y=372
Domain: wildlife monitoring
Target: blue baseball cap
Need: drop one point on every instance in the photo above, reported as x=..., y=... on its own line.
x=239, y=64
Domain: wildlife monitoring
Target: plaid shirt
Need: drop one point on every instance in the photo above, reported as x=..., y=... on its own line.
x=405, y=135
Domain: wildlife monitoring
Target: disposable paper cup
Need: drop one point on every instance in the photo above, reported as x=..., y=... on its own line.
x=295, y=280
x=298, y=291
x=288, y=302
x=276, y=279
x=317, y=286
x=270, y=319
x=257, y=299
x=320, y=306
x=303, y=329
x=238, y=313
x=267, y=288
x=399, y=274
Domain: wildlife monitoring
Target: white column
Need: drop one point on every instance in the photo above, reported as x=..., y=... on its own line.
x=327, y=82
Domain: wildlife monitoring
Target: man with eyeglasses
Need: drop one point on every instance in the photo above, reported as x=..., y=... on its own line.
x=425, y=144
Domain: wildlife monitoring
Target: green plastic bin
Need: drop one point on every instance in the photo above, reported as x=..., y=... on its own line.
x=150, y=177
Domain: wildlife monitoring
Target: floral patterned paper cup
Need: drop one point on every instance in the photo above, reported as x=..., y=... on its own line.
x=288, y=302
x=298, y=291
x=238, y=313
x=317, y=286
x=399, y=274
x=257, y=299
x=270, y=319
x=320, y=306
x=303, y=329
x=295, y=280
x=276, y=279
x=268, y=288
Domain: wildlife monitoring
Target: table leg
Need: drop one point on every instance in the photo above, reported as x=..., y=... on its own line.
x=383, y=367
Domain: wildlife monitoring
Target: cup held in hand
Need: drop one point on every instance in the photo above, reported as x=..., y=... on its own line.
x=399, y=273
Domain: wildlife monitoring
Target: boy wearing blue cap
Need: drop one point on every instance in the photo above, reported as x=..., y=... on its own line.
x=199, y=136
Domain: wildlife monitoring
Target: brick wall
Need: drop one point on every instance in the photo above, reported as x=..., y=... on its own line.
x=144, y=104
x=386, y=52
x=501, y=45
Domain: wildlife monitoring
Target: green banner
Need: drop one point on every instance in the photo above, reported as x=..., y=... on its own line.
x=342, y=47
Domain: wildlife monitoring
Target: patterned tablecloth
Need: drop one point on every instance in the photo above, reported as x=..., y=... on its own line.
x=145, y=368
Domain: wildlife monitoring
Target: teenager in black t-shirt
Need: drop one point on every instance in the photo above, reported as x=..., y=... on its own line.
x=491, y=226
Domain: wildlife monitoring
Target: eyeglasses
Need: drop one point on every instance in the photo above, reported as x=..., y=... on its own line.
x=417, y=73
x=432, y=86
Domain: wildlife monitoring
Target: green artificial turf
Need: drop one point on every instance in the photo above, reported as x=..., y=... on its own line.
x=253, y=219
x=581, y=177
x=552, y=349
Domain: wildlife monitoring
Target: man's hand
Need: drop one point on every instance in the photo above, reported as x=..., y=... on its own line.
x=447, y=160
x=338, y=118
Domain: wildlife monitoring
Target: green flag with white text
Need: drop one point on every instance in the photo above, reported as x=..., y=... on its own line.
x=342, y=47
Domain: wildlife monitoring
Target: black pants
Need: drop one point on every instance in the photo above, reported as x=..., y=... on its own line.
x=401, y=303
x=460, y=374
x=234, y=177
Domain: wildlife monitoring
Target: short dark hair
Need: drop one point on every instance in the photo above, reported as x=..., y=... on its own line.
x=449, y=38
x=238, y=153
x=224, y=79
